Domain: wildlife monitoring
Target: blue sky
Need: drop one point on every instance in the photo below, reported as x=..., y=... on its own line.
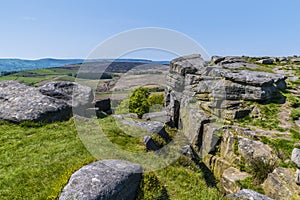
x=72, y=29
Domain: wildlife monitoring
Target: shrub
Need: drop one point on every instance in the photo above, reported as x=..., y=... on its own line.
x=138, y=101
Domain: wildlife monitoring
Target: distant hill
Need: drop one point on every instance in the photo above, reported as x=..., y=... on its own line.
x=9, y=65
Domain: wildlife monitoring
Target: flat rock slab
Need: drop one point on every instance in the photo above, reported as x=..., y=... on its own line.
x=106, y=179
x=149, y=126
x=248, y=195
x=19, y=102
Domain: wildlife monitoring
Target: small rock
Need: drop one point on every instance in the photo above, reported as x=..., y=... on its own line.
x=187, y=151
x=296, y=157
x=248, y=195
x=229, y=180
x=298, y=176
x=268, y=61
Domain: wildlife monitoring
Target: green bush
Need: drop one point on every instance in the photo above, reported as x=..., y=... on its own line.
x=156, y=102
x=138, y=101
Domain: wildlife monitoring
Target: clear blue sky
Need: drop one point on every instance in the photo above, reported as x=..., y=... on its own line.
x=71, y=29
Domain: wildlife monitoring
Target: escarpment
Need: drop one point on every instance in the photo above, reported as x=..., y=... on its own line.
x=206, y=100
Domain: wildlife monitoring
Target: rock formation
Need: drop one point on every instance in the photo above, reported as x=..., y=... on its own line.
x=72, y=93
x=52, y=102
x=203, y=98
x=19, y=102
x=106, y=179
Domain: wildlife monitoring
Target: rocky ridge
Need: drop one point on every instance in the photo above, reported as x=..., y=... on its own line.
x=202, y=98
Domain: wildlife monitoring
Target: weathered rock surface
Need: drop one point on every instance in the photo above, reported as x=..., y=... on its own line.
x=19, y=102
x=246, y=194
x=266, y=61
x=74, y=94
x=281, y=184
x=106, y=179
x=156, y=116
x=296, y=157
x=252, y=150
x=229, y=180
x=200, y=97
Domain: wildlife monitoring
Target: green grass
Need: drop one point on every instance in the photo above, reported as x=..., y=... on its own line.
x=37, y=160
x=283, y=149
x=182, y=180
x=268, y=120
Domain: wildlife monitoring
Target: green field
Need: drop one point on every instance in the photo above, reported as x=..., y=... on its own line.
x=36, y=161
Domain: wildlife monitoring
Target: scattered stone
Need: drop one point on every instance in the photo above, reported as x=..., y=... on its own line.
x=296, y=157
x=106, y=179
x=72, y=93
x=188, y=151
x=156, y=116
x=125, y=116
x=295, y=60
x=149, y=126
x=216, y=59
x=281, y=184
x=298, y=177
x=247, y=194
x=19, y=102
x=267, y=61
x=229, y=180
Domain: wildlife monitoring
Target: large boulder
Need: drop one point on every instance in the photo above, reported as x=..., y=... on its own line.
x=106, y=179
x=19, y=102
x=74, y=94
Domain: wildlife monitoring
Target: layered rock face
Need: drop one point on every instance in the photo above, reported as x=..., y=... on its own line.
x=202, y=97
x=198, y=94
x=106, y=179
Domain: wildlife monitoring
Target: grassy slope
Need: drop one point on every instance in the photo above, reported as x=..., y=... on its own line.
x=37, y=160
